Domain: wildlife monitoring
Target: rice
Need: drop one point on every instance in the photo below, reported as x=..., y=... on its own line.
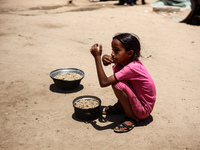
x=86, y=104
x=69, y=76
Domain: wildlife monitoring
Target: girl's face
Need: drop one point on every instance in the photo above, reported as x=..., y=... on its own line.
x=119, y=53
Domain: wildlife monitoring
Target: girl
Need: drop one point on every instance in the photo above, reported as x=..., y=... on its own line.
x=131, y=82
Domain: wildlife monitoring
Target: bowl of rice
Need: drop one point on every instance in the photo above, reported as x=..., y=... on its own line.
x=67, y=78
x=87, y=107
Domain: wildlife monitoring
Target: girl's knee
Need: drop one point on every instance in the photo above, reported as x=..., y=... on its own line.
x=119, y=85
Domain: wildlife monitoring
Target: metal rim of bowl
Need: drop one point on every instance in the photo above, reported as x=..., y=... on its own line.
x=86, y=97
x=70, y=69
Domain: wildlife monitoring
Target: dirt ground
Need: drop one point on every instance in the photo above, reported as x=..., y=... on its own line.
x=37, y=37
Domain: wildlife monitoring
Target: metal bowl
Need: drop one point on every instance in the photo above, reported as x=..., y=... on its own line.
x=63, y=84
x=90, y=113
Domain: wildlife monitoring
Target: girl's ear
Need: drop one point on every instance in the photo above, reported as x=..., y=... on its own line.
x=130, y=53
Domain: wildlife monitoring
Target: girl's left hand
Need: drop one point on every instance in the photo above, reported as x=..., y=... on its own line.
x=95, y=51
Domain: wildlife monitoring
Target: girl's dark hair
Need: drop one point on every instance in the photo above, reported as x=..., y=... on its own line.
x=130, y=42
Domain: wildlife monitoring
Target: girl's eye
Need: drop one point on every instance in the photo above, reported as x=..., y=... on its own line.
x=116, y=51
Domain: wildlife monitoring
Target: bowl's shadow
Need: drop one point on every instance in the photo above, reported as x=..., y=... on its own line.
x=113, y=119
x=55, y=89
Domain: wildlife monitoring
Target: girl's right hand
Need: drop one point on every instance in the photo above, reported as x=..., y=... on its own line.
x=107, y=60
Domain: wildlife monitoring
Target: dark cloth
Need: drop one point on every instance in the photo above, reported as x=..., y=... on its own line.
x=194, y=16
x=132, y=2
x=121, y=2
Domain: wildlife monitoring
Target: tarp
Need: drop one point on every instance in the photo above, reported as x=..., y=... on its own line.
x=178, y=3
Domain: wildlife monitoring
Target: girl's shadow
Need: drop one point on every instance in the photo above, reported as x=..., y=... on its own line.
x=114, y=119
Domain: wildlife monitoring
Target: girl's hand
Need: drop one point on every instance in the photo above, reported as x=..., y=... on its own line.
x=107, y=60
x=95, y=51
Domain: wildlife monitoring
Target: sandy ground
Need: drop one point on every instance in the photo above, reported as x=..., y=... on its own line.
x=37, y=37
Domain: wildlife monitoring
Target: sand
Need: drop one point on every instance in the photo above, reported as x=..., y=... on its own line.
x=37, y=37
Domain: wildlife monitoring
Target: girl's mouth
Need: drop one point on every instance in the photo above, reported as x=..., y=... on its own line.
x=114, y=60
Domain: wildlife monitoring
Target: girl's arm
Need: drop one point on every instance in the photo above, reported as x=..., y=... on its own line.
x=103, y=79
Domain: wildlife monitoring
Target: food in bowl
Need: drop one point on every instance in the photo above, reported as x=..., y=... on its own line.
x=67, y=84
x=86, y=104
x=87, y=113
x=68, y=76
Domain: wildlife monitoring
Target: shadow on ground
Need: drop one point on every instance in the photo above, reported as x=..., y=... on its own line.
x=113, y=119
x=55, y=89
